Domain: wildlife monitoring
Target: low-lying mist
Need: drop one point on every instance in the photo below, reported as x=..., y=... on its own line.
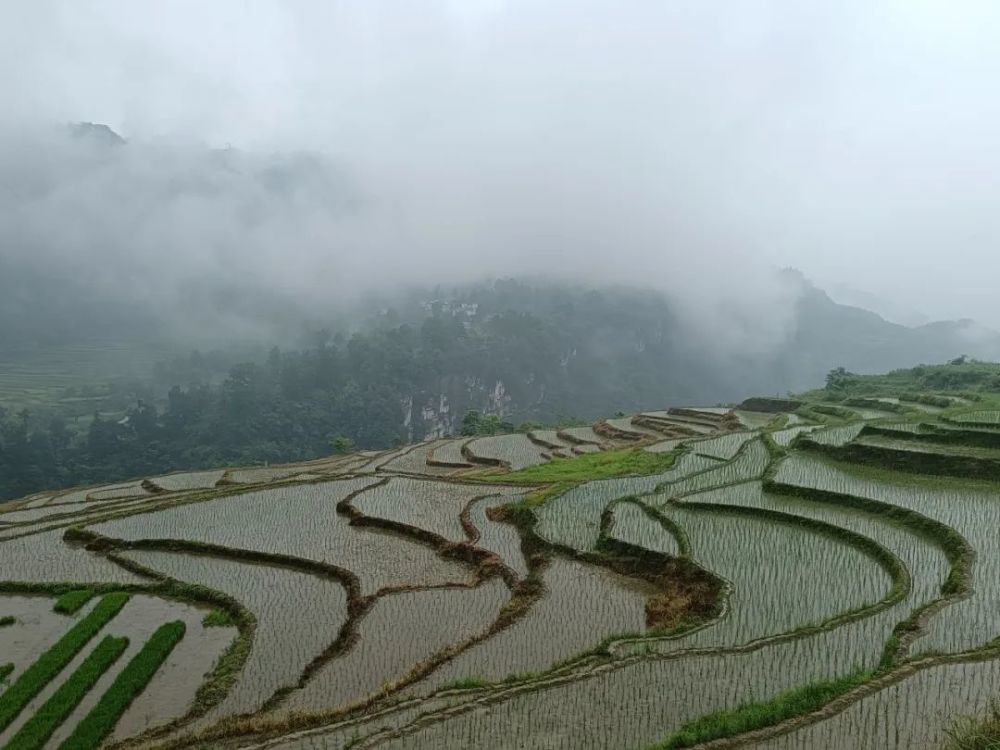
x=223, y=242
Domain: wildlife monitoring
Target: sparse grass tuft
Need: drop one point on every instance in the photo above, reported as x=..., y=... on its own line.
x=131, y=681
x=72, y=601
x=5, y=670
x=218, y=618
x=34, y=679
x=970, y=733
x=7, y=621
x=752, y=716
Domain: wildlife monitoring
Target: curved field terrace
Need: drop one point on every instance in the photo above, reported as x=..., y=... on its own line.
x=690, y=577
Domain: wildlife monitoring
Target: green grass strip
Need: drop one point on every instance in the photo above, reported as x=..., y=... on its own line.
x=751, y=716
x=71, y=602
x=37, y=731
x=602, y=465
x=5, y=670
x=48, y=665
x=129, y=684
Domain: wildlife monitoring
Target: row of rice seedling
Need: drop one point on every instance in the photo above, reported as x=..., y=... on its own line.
x=130, y=683
x=971, y=509
x=49, y=664
x=574, y=518
x=398, y=634
x=641, y=702
x=181, y=677
x=32, y=628
x=175, y=687
x=581, y=606
x=515, y=451
x=432, y=506
x=500, y=538
x=45, y=558
x=633, y=524
x=298, y=615
x=34, y=733
x=72, y=601
x=783, y=576
x=301, y=521
x=918, y=712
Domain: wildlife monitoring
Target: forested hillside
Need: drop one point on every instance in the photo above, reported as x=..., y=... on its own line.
x=521, y=351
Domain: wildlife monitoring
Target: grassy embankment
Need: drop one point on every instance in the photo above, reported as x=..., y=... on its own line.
x=756, y=715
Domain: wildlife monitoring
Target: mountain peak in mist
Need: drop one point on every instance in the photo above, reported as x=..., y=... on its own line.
x=97, y=133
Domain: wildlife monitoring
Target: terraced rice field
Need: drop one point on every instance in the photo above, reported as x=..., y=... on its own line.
x=625, y=424
x=380, y=600
x=450, y=453
x=435, y=507
x=514, y=451
x=581, y=435
x=983, y=418
x=188, y=481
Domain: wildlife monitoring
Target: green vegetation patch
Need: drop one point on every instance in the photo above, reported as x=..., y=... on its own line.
x=37, y=731
x=751, y=716
x=34, y=679
x=7, y=621
x=5, y=670
x=466, y=683
x=71, y=602
x=218, y=618
x=589, y=466
x=969, y=733
x=129, y=684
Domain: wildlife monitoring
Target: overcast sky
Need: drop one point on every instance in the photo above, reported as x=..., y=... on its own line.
x=684, y=144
